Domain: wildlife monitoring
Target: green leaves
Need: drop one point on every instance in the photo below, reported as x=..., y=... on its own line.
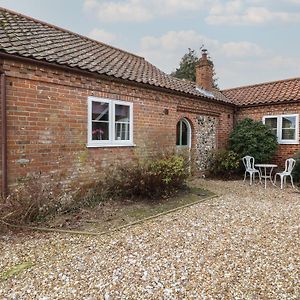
x=225, y=162
x=253, y=138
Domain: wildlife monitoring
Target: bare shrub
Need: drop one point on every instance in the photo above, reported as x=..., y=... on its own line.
x=32, y=201
x=39, y=198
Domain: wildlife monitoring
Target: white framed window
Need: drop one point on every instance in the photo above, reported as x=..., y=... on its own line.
x=286, y=127
x=110, y=123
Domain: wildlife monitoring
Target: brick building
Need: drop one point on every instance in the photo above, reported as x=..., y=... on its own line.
x=276, y=104
x=74, y=105
x=71, y=106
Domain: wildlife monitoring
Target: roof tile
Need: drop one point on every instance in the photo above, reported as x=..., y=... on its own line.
x=287, y=90
x=27, y=37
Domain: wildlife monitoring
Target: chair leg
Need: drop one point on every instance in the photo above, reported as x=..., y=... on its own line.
x=245, y=176
x=281, y=181
x=259, y=176
x=251, y=178
x=292, y=181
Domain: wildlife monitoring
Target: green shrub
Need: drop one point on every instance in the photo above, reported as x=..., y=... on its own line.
x=151, y=179
x=296, y=171
x=225, y=162
x=253, y=138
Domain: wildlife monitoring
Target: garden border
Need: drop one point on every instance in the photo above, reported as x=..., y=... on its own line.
x=114, y=229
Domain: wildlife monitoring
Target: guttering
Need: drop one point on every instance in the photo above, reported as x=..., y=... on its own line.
x=4, y=135
x=282, y=102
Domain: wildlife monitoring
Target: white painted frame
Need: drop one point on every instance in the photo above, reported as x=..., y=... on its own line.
x=279, y=128
x=189, y=134
x=111, y=125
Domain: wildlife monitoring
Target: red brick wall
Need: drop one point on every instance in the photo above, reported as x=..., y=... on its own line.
x=47, y=121
x=257, y=113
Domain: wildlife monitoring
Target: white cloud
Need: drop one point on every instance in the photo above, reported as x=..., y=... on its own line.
x=242, y=49
x=293, y=1
x=243, y=72
x=166, y=49
x=235, y=13
x=102, y=35
x=139, y=10
x=237, y=63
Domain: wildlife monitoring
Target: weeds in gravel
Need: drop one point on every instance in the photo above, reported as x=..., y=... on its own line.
x=15, y=270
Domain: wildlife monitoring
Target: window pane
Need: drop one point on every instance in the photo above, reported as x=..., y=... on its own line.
x=122, y=131
x=100, y=131
x=122, y=113
x=288, y=122
x=100, y=111
x=288, y=134
x=271, y=122
x=184, y=134
x=178, y=134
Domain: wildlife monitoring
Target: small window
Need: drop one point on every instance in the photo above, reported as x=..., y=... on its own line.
x=285, y=127
x=183, y=133
x=109, y=122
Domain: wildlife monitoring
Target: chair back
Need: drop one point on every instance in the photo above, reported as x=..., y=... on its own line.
x=248, y=162
x=289, y=165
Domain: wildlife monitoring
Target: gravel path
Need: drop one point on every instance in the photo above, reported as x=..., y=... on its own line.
x=243, y=245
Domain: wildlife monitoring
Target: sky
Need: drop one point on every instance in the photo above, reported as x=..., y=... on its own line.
x=249, y=41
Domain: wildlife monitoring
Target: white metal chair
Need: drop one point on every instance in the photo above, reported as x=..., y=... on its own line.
x=248, y=162
x=289, y=166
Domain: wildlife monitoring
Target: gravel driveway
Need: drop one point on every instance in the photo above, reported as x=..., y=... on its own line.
x=242, y=245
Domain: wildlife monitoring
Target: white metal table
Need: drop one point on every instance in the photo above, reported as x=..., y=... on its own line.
x=265, y=171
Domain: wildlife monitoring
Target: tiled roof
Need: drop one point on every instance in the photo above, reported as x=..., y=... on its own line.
x=269, y=92
x=24, y=36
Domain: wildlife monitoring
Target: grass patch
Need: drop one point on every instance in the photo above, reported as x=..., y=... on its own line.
x=15, y=270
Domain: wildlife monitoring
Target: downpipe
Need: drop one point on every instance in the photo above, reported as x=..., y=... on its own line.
x=3, y=135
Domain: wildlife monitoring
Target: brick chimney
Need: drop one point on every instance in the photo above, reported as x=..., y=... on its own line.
x=204, y=72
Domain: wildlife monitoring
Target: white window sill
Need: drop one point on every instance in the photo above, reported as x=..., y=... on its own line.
x=288, y=143
x=109, y=145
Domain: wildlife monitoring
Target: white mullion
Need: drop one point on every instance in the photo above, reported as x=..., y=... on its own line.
x=89, y=125
x=131, y=123
x=279, y=128
x=112, y=122
x=297, y=129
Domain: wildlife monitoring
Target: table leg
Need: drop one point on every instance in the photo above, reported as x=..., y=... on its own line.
x=272, y=181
